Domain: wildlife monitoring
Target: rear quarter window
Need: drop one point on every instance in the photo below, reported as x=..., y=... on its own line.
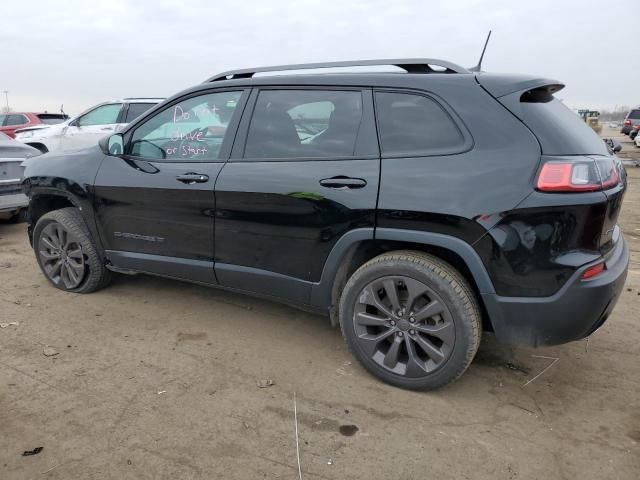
x=559, y=130
x=411, y=124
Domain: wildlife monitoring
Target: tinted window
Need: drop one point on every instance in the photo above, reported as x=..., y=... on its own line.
x=304, y=123
x=634, y=114
x=558, y=129
x=104, y=115
x=16, y=120
x=412, y=125
x=137, y=109
x=52, y=118
x=193, y=129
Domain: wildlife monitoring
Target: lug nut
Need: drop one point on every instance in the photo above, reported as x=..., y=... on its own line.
x=412, y=332
x=392, y=323
x=412, y=320
x=400, y=334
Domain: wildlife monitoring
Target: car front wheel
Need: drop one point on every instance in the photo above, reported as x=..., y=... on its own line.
x=411, y=320
x=67, y=254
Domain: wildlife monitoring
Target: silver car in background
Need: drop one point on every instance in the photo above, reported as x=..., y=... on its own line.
x=12, y=154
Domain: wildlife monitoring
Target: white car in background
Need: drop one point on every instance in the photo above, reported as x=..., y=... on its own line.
x=88, y=127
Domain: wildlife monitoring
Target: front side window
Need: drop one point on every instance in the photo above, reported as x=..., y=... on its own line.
x=16, y=120
x=103, y=115
x=411, y=124
x=193, y=129
x=304, y=124
x=137, y=109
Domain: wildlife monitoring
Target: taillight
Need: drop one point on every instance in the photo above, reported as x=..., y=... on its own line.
x=627, y=122
x=593, y=271
x=583, y=174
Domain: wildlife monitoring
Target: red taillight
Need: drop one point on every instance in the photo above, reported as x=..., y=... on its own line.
x=567, y=177
x=627, y=122
x=579, y=174
x=593, y=271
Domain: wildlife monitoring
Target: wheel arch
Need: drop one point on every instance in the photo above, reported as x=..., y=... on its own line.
x=43, y=201
x=360, y=245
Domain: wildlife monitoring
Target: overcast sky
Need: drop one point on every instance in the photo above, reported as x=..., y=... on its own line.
x=79, y=53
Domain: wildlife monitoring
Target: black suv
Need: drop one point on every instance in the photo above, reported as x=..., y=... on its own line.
x=414, y=208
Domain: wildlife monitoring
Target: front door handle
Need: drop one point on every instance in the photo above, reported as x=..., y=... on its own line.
x=343, y=182
x=191, y=178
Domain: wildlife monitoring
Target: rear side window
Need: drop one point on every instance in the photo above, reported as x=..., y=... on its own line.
x=558, y=129
x=412, y=124
x=634, y=114
x=304, y=124
x=52, y=118
x=16, y=120
x=137, y=109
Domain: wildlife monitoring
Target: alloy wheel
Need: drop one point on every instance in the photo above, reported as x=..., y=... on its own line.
x=403, y=326
x=61, y=256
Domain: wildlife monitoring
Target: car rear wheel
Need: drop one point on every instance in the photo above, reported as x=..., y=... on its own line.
x=67, y=254
x=411, y=320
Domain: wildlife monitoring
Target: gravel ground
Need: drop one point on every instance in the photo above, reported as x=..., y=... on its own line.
x=154, y=379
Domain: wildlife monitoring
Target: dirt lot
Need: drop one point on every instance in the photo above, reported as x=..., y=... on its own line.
x=157, y=379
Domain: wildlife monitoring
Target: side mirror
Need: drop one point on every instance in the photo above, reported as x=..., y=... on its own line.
x=617, y=147
x=112, y=145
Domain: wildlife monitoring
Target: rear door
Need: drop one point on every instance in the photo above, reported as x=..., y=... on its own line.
x=155, y=204
x=303, y=172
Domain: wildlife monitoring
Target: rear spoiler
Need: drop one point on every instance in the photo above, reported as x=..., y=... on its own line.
x=500, y=85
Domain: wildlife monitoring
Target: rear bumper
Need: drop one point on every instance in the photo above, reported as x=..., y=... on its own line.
x=577, y=310
x=12, y=203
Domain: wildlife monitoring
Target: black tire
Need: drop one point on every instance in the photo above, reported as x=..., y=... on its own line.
x=82, y=269
x=363, y=322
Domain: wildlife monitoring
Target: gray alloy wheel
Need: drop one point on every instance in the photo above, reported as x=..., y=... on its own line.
x=61, y=256
x=67, y=254
x=411, y=319
x=404, y=326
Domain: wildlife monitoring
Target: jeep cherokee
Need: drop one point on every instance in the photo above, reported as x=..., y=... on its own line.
x=414, y=208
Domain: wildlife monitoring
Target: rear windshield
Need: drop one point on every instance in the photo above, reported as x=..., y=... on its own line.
x=52, y=118
x=634, y=114
x=559, y=130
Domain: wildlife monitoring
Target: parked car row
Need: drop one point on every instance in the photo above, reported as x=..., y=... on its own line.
x=631, y=125
x=27, y=134
x=12, y=154
x=87, y=128
x=10, y=122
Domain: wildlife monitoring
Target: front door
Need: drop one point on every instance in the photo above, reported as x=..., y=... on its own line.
x=88, y=129
x=155, y=204
x=304, y=171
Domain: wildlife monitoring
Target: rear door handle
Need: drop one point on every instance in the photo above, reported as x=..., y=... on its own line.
x=343, y=182
x=191, y=178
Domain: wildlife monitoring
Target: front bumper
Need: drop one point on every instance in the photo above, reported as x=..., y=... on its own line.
x=10, y=204
x=577, y=310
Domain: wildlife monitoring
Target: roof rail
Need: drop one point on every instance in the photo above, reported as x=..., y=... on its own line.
x=411, y=65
